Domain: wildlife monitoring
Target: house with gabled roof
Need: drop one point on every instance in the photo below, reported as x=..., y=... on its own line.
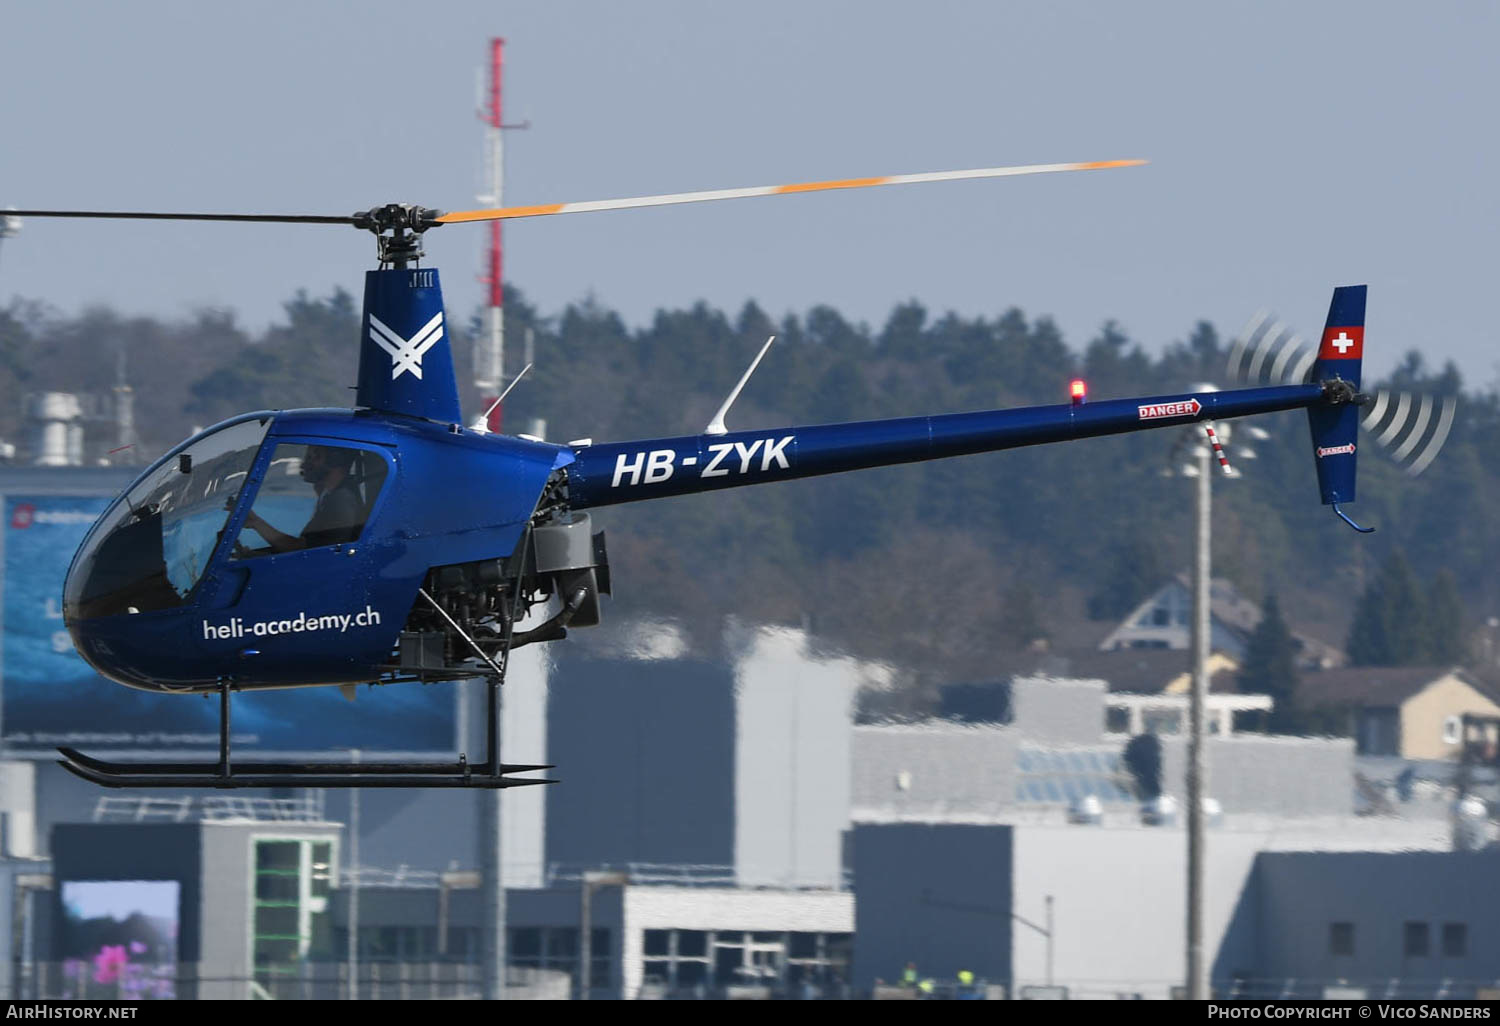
x=1164, y=621
x=1415, y=712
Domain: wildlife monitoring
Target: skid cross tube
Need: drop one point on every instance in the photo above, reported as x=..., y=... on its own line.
x=490, y=774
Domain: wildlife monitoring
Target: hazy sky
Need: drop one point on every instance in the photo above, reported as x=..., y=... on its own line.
x=1294, y=146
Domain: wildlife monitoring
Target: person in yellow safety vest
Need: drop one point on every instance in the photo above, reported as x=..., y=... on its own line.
x=909, y=975
x=965, y=983
x=926, y=987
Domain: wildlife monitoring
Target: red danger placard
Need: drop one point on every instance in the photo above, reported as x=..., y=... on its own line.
x=1156, y=411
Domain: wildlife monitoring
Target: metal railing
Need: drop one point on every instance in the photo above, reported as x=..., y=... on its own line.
x=311, y=981
x=401, y=876
x=306, y=809
x=193, y=808
x=1271, y=988
x=1387, y=988
x=562, y=874
x=689, y=875
x=143, y=810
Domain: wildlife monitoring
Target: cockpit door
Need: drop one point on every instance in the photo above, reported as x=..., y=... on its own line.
x=299, y=581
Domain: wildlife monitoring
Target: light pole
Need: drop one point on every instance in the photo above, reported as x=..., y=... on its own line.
x=493, y=939
x=353, y=954
x=588, y=883
x=1049, y=940
x=1197, y=770
x=1206, y=450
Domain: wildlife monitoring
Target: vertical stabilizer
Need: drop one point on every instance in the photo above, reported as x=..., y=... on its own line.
x=405, y=361
x=1334, y=428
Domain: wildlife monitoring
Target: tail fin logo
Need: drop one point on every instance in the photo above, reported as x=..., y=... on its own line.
x=1344, y=343
x=1336, y=450
x=406, y=354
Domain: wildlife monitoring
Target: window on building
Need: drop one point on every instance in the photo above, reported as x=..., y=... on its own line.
x=556, y=947
x=599, y=957
x=562, y=944
x=1249, y=721
x=526, y=947
x=1455, y=940
x=802, y=945
x=1162, y=721
x=292, y=881
x=464, y=944
x=656, y=943
x=688, y=960
x=1378, y=732
x=1341, y=938
x=1414, y=940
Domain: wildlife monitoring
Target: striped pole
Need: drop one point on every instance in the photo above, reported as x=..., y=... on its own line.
x=1213, y=439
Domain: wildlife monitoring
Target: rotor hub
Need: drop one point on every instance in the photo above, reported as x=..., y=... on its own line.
x=398, y=229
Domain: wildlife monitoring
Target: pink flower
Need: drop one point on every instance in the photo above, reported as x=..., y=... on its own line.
x=108, y=963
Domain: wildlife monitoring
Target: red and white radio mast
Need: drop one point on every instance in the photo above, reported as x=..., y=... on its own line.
x=489, y=355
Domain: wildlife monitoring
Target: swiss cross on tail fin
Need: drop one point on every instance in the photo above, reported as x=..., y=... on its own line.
x=1344, y=342
x=1343, y=345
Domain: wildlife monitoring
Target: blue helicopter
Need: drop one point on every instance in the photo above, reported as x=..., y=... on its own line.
x=389, y=543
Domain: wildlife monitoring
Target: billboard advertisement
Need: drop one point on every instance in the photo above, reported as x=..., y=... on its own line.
x=51, y=697
x=119, y=939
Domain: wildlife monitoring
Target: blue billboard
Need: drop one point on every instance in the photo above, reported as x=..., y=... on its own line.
x=51, y=697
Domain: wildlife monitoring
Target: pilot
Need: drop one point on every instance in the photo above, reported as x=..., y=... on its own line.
x=339, y=512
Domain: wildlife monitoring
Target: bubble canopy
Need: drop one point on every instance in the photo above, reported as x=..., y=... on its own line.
x=150, y=548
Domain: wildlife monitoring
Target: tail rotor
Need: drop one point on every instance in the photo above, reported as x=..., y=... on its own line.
x=1412, y=428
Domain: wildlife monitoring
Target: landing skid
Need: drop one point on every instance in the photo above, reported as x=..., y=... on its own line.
x=224, y=774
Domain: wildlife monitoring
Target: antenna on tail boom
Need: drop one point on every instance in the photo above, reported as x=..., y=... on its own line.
x=716, y=426
x=482, y=422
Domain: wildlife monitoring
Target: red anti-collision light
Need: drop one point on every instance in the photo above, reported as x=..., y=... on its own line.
x=1080, y=392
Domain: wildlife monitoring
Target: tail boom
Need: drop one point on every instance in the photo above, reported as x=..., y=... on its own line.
x=602, y=475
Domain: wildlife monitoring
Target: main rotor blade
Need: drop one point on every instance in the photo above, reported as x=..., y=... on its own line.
x=144, y=215
x=506, y=213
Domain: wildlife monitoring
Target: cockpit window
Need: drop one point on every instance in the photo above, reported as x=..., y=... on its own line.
x=311, y=495
x=152, y=546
